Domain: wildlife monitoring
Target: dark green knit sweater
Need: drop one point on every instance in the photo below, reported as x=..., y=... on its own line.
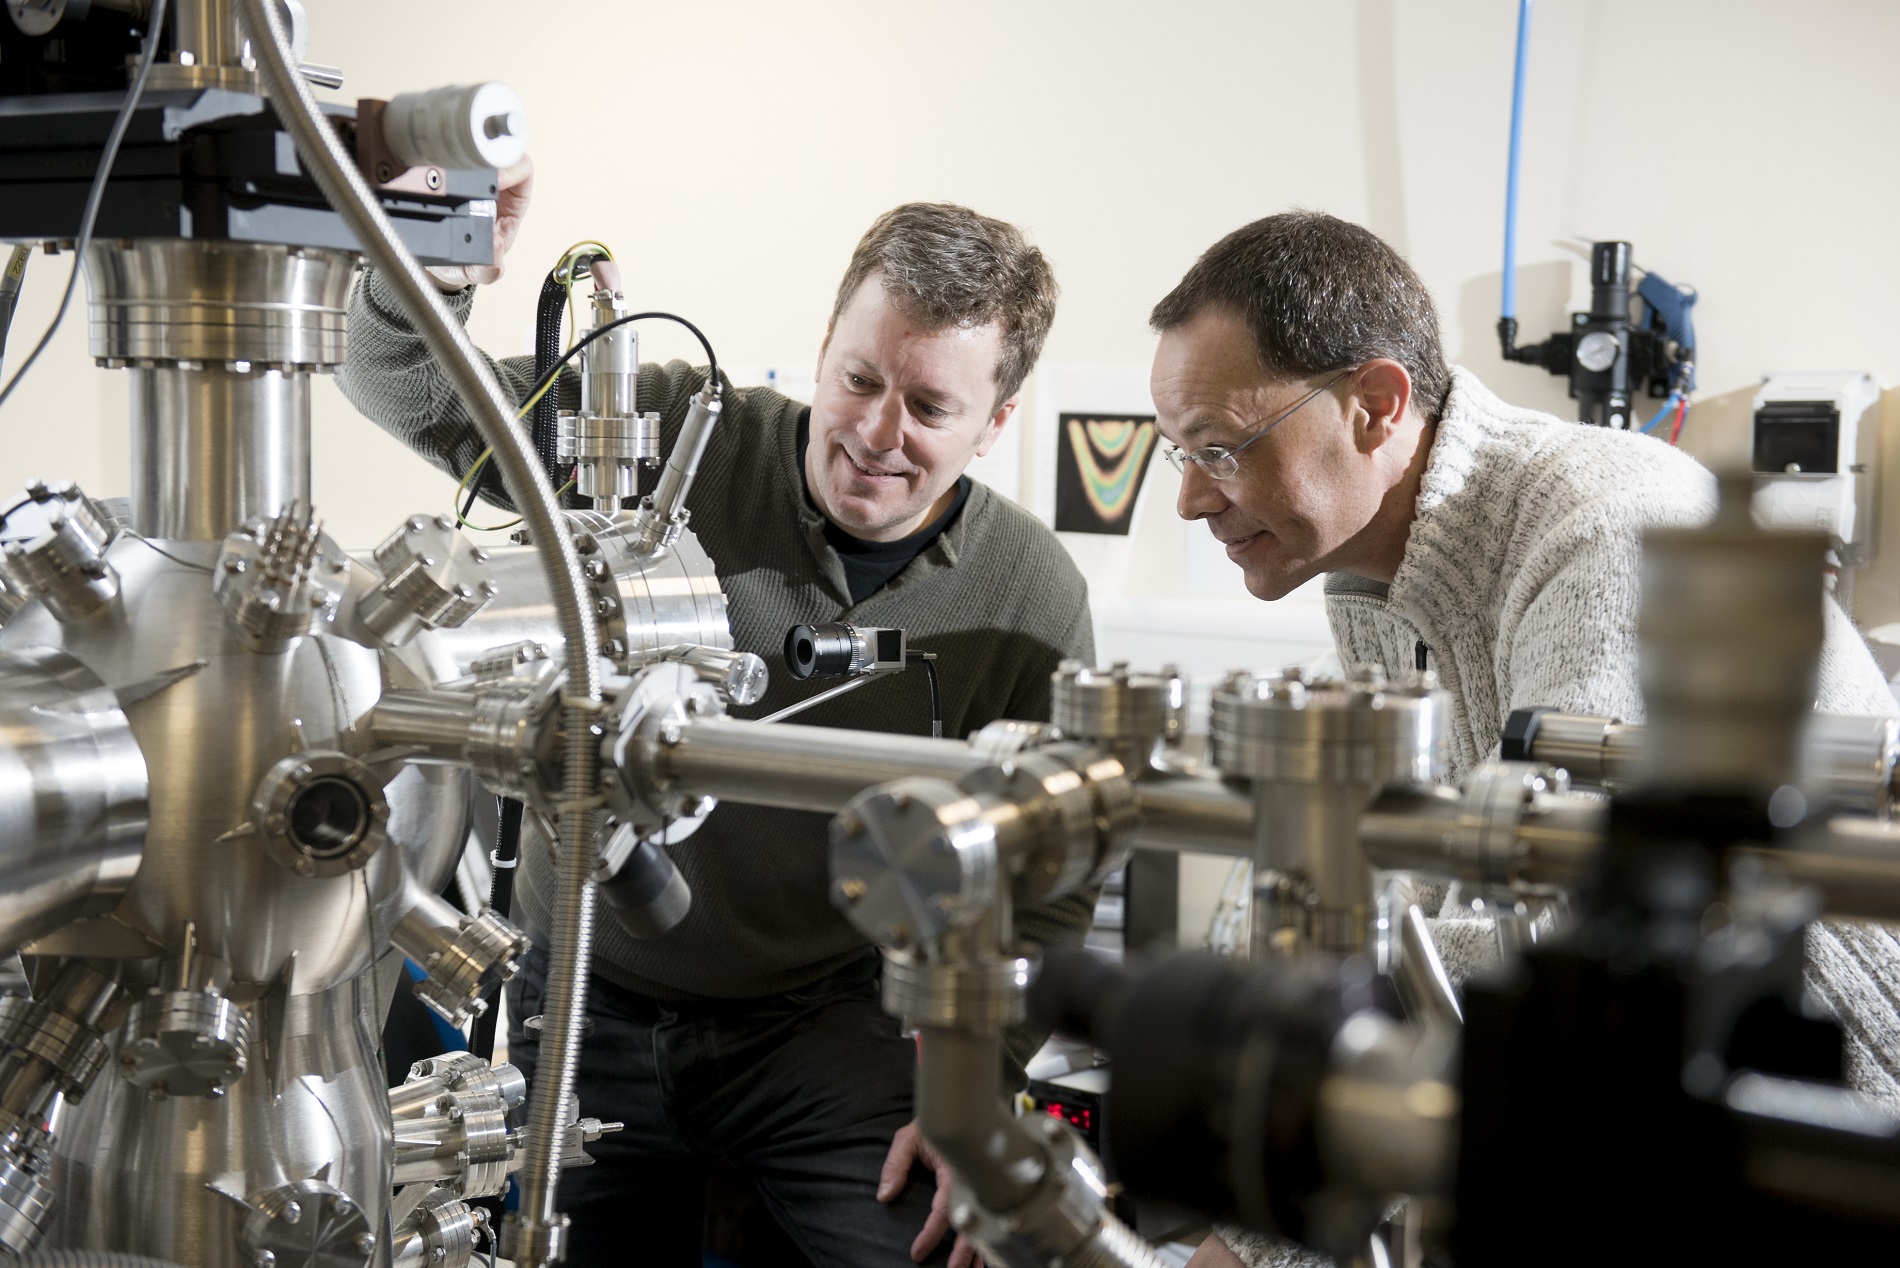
x=995, y=597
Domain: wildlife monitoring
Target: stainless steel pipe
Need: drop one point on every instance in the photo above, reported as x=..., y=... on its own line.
x=73, y=795
x=214, y=448
x=537, y=1231
x=802, y=767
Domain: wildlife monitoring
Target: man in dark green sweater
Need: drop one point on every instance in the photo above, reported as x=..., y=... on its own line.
x=752, y=1031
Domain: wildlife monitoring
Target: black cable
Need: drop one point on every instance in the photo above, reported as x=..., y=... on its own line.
x=546, y=380
x=543, y=425
x=155, y=23
x=10, y=282
x=501, y=897
x=929, y=661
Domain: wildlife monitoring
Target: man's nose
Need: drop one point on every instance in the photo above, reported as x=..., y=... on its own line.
x=883, y=427
x=1201, y=494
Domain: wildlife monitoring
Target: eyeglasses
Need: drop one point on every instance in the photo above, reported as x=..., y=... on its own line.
x=1222, y=462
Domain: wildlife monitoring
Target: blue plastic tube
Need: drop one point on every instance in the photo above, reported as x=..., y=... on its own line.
x=1508, y=306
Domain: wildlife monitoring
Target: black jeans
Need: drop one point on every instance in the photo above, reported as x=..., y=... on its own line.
x=801, y=1092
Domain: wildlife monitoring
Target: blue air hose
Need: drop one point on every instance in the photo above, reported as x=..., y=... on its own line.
x=1508, y=307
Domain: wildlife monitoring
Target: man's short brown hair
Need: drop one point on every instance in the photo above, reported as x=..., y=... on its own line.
x=945, y=265
x=1319, y=293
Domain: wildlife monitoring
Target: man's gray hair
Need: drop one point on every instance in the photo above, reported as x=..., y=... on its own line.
x=1319, y=293
x=945, y=265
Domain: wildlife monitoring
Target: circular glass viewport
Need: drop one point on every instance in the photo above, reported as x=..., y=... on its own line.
x=327, y=817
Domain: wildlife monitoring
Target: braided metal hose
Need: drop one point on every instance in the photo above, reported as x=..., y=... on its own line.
x=537, y=1229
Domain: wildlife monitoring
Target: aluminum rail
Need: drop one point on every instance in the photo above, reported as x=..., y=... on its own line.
x=538, y=1228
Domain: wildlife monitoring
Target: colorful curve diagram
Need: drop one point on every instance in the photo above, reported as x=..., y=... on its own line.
x=1111, y=456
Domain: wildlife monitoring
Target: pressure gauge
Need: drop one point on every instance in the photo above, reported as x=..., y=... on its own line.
x=1597, y=350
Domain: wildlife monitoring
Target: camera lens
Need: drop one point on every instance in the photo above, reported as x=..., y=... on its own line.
x=820, y=651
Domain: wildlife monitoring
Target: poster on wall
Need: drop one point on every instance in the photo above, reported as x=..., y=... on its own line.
x=1101, y=461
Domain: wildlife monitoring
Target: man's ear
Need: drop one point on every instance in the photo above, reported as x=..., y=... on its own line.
x=999, y=420
x=824, y=345
x=1383, y=390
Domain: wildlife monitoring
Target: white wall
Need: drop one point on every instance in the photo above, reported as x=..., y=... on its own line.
x=733, y=150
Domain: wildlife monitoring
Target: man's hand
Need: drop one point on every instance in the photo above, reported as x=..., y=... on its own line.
x=906, y=1148
x=514, y=188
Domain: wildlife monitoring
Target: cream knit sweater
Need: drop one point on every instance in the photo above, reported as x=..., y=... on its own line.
x=1522, y=577
x=1523, y=573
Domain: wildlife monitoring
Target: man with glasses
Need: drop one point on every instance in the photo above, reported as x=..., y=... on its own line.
x=1318, y=429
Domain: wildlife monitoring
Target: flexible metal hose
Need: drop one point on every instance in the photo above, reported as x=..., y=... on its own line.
x=1114, y=1245
x=538, y=1228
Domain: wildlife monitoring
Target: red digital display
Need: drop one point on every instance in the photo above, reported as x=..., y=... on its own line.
x=1079, y=1116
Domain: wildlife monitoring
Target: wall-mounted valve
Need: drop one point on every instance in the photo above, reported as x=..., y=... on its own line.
x=276, y=581
x=433, y=578
x=64, y=566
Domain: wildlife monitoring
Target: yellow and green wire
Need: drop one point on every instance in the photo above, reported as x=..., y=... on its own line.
x=566, y=274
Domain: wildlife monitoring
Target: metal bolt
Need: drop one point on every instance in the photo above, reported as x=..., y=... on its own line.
x=585, y=544
x=462, y=591
x=263, y=1259
x=304, y=867
x=215, y=1090
x=434, y=181
x=415, y=524
x=366, y=1242
x=479, y=555
x=301, y=773
x=670, y=733
x=489, y=589
x=335, y=1204
x=444, y=523
x=596, y=569
x=158, y=1092
x=851, y=889
x=292, y=1212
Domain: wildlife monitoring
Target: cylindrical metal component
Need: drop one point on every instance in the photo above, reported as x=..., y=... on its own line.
x=214, y=448
x=1389, y=1108
x=1422, y=980
x=1598, y=752
x=1731, y=629
x=645, y=892
x=433, y=577
x=1188, y=812
x=1610, y=280
x=960, y=1112
x=439, y=1233
x=1315, y=753
x=640, y=607
x=800, y=767
x=1131, y=714
x=463, y=125
x=610, y=365
x=64, y=566
x=207, y=50
x=212, y=302
x=184, y=1043
x=682, y=465
x=73, y=795
x=465, y=957
x=1537, y=839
